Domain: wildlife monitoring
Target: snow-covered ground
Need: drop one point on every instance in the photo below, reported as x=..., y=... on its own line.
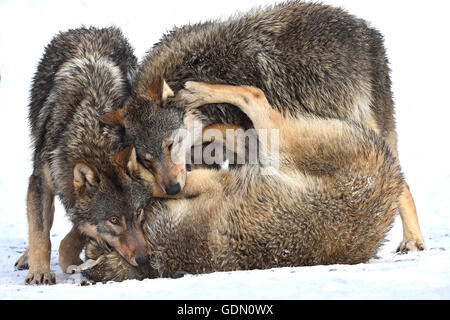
x=417, y=39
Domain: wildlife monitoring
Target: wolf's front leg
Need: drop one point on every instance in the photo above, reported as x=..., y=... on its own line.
x=70, y=249
x=267, y=121
x=40, y=210
x=250, y=100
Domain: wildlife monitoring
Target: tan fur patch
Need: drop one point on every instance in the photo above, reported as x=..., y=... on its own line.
x=114, y=118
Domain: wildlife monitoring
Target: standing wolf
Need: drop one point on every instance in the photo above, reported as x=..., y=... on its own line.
x=309, y=59
x=332, y=200
x=83, y=73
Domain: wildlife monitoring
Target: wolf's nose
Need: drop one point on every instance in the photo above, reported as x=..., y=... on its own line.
x=143, y=260
x=173, y=189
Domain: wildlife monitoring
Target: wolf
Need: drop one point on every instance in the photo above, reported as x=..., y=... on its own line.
x=308, y=58
x=332, y=200
x=84, y=72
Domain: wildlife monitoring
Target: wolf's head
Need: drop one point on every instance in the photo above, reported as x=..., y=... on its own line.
x=109, y=205
x=157, y=132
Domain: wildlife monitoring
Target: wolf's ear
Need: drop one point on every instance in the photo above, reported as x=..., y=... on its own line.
x=159, y=90
x=127, y=159
x=85, y=180
x=113, y=119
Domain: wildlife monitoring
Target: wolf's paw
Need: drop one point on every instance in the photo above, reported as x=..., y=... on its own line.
x=89, y=264
x=22, y=263
x=40, y=278
x=179, y=274
x=67, y=262
x=195, y=94
x=411, y=245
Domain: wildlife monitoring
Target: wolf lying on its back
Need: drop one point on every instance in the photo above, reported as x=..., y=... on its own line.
x=332, y=201
x=84, y=73
x=308, y=58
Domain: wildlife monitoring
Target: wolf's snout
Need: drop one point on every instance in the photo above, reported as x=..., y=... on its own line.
x=173, y=189
x=143, y=259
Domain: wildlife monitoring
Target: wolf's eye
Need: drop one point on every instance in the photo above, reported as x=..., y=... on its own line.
x=114, y=220
x=169, y=147
x=146, y=163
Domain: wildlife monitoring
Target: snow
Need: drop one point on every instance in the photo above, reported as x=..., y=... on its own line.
x=416, y=37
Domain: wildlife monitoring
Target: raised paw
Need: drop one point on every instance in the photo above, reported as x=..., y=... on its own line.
x=411, y=245
x=22, y=262
x=40, y=278
x=195, y=94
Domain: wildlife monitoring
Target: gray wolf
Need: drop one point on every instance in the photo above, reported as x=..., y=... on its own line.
x=308, y=58
x=84, y=72
x=332, y=200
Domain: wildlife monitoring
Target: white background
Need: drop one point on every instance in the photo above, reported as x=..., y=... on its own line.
x=417, y=38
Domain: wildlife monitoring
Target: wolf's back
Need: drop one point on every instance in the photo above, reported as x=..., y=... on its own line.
x=66, y=46
x=302, y=55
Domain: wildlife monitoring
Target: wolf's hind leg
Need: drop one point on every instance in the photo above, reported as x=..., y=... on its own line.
x=412, y=235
